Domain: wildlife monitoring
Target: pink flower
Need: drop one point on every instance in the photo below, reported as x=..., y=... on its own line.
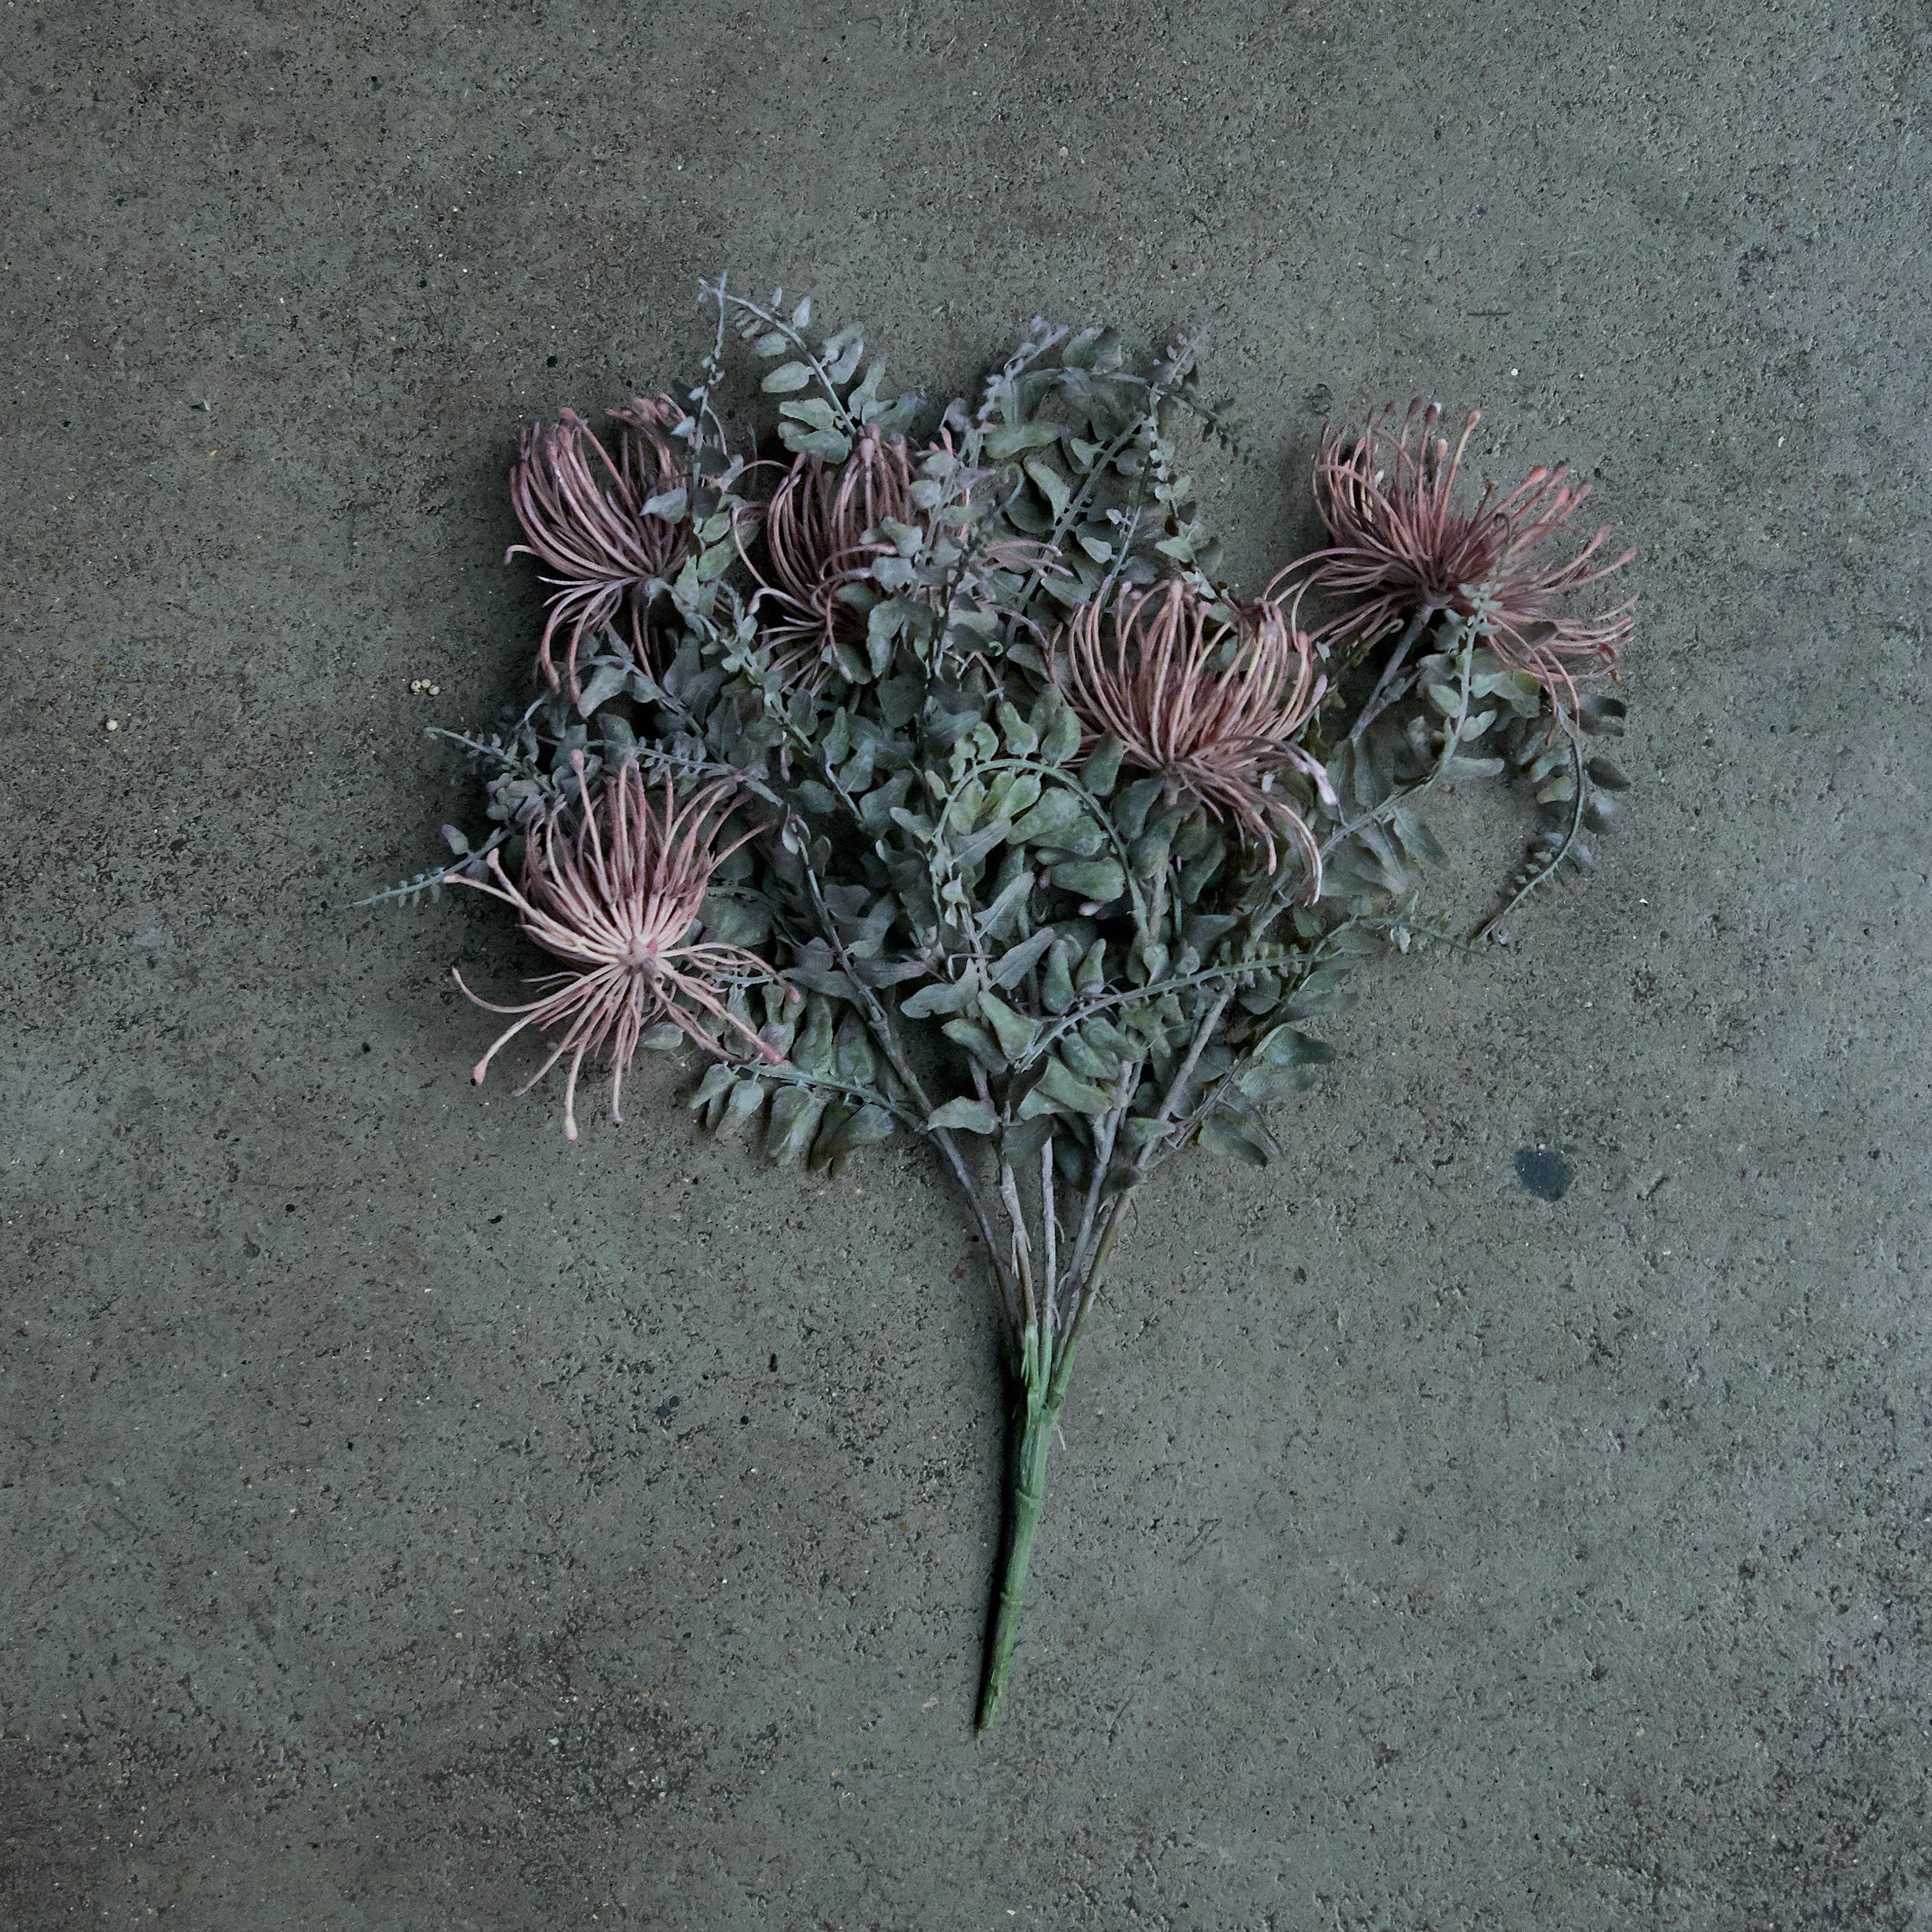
x=1211, y=707
x=1404, y=543
x=617, y=900
x=585, y=518
x=816, y=548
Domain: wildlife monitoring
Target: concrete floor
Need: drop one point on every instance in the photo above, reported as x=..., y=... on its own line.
x=411, y=1521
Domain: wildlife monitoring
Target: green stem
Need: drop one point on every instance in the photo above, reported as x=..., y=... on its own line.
x=1034, y=1426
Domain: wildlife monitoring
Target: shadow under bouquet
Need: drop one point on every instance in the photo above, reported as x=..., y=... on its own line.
x=935, y=785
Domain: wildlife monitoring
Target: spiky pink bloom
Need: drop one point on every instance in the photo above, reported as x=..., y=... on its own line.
x=585, y=517
x=1404, y=541
x=816, y=544
x=1212, y=708
x=617, y=899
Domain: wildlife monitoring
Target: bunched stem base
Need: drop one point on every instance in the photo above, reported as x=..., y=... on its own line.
x=1034, y=1426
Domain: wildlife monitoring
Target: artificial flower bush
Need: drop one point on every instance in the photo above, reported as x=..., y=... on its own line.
x=928, y=781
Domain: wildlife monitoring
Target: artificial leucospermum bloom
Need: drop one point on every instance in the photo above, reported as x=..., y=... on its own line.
x=816, y=545
x=617, y=899
x=1404, y=543
x=585, y=516
x=1211, y=707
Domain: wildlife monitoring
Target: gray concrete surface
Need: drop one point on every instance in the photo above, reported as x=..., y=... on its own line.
x=410, y=1521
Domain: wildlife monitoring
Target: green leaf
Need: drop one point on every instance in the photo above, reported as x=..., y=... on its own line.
x=1082, y=839
x=978, y=1042
x=1103, y=768
x=795, y=1113
x=603, y=684
x=1015, y=963
x=1287, y=1046
x=1321, y=992
x=970, y=851
x=1060, y=1083
x=787, y=377
x=842, y=353
x=1205, y=931
x=1131, y=806
x=942, y=996
x=1014, y=1033
x=1085, y=1061
x=1052, y=485
x=1100, y=881
x=1014, y=794
x=1516, y=688
x=745, y=1100
x=812, y=1049
x=1057, y=992
x=867, y=1127
x=1272, y=1083
x=969, y=1117
x=1223, y=1135
x=1092, y=976
x=1007, y=901
x=1092, y=349
x=862, y=400
x=717, y=1082
x=823, y=1146
x=1010, y=438
x=1020, y=736
x=1056, y=810
x=815, y=413
x=899, y=701
x=827, y=443
x=1060, y=739
x=896, y=415
x=730, y=920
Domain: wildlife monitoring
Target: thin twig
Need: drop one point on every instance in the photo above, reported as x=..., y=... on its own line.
x=1090, y=1291
x=1203, y=1033
x=1385, y=692
x=1551, y=866
x=1010, y=1193
x=1049, y=1222
x=1105, y=1134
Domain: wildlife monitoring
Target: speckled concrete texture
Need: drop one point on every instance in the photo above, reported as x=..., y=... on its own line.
x=409, y=1521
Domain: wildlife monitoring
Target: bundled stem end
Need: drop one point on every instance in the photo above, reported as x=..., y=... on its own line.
x=1034, y=1426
